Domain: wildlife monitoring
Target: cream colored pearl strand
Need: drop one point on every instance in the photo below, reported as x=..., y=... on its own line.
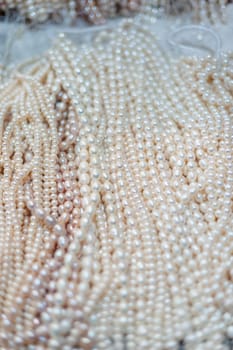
x=53, y=342
x=19, y=176
x=66, y=79
x=179, y=79
x=145, y=192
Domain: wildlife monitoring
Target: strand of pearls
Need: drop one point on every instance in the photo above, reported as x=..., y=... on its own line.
x=116, y=199
x=29, y=150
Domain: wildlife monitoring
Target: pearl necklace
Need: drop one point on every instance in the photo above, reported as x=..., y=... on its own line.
x=116, y=199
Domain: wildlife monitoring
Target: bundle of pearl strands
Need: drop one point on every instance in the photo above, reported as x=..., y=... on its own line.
x=94, y=11
x=116, y=199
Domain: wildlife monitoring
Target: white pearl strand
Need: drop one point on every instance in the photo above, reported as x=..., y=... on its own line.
x=127, y=240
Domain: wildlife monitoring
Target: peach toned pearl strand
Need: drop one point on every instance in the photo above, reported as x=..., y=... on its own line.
x=21, y=178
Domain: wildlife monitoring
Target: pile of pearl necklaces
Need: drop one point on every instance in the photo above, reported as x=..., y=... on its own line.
x=116, y=199
x=96, y=11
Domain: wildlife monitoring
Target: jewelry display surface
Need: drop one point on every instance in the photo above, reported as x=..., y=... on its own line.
x=116, y=182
